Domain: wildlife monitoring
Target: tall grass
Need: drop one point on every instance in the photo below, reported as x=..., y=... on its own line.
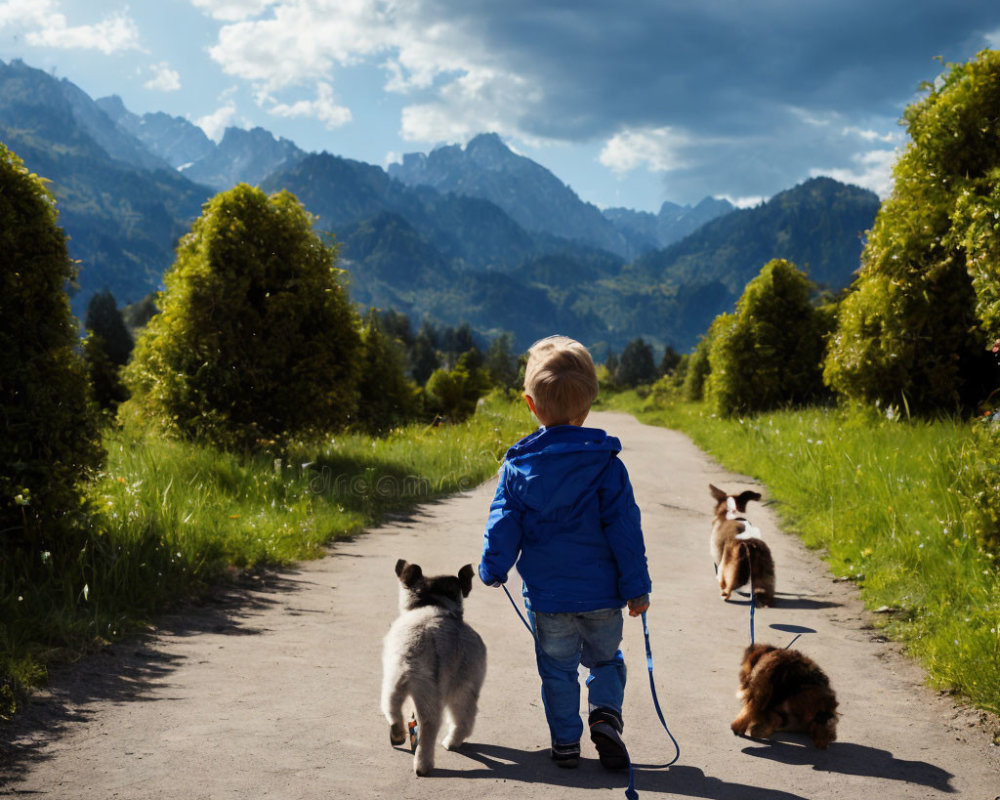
x=171, y=518
x=886, y=502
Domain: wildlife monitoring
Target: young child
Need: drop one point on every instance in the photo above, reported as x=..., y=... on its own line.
x=565, y=513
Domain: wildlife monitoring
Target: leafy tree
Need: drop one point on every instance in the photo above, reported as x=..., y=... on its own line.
x=636, y=366
x=453, y=393
x=386, y=397
x=925, y=306
x=256, y=336
x=769, y=353
x=49, y=435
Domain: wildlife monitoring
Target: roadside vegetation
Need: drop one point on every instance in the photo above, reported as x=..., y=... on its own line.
x=906, y=509
x=254, y=418
x=253, y=415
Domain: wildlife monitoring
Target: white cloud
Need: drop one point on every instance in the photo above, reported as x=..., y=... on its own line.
x=655, y=148
x=872, y=136
x=46, y=26
x=232, y=10
x=743, y=202
x=215, y=124
x=872, y=170
x=480, y=100
x=993, y=38
x=164, y=78
x=25, y=12
x=324, y=108
x=422, y=50
x=301, y=41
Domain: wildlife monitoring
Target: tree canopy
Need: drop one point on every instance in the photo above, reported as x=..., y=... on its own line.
x=49, y=438
x=256, y=336
x=769, y=353
x=925, y=306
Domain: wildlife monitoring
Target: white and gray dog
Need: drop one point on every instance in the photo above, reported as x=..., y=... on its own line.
x=432, y=656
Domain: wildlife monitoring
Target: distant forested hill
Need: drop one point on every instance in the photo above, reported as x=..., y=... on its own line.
x=123, y=215
x=449, y=253
x=819, y=225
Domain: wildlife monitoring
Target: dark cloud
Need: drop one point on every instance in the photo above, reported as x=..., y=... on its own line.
x=719, y=66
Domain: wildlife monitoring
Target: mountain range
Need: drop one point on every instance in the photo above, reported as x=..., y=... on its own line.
x=476, y=233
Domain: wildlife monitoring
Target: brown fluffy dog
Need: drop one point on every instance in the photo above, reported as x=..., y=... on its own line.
x=783, y=690
x=739, y=554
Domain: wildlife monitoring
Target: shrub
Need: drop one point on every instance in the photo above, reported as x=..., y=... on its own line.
x=977, y=481
x=453, y=393
x=49, y=429
x=769, y=353
x=925, y=306
x=256, y=336
x=386, y=397
x=698, y=367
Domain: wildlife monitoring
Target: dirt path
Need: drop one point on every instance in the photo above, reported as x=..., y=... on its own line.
x=274, y=693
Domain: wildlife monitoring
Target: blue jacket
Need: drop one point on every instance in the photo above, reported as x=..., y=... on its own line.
x=565, y=513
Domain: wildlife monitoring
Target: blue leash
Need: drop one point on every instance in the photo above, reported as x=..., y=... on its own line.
x=630, y=792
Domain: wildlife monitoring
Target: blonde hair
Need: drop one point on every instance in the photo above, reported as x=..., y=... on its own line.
x=561, y=379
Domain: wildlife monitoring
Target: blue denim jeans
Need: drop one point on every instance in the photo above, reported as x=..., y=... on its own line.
x=562, y=643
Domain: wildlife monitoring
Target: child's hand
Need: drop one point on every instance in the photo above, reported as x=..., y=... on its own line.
x=638, y=605
x=489, y=579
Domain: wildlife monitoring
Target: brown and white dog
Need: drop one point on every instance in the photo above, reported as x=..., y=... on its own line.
x=432, y=656
x=739, y=553
x=783, y=690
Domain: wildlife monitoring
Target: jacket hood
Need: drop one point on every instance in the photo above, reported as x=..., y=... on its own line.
x=554, y=467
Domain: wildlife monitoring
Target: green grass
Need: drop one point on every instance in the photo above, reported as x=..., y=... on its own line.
x=888, y=504
x=172, y=518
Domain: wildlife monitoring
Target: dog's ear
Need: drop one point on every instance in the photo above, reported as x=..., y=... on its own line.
x=410, y=574
x=746, y=497
x=465, y=579
x=400, y=566
x=717, y=493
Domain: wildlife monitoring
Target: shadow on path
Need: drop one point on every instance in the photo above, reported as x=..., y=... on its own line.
x=131, y=670
x=508, y=764
x=855, y=759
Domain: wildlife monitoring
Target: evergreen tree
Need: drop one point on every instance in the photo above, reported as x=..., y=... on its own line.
x=501, y=363
x=670, y=362
x=49, y=435
x=925, y=307
x=425, y=358
x=106, y=349
x=636, y=366
x=256, y=337
x=105, y=320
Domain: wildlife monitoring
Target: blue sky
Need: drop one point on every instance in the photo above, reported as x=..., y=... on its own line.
x=630, y=103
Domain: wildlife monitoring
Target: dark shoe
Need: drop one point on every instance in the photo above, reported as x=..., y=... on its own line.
x=605, y=732
x=566, y=755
